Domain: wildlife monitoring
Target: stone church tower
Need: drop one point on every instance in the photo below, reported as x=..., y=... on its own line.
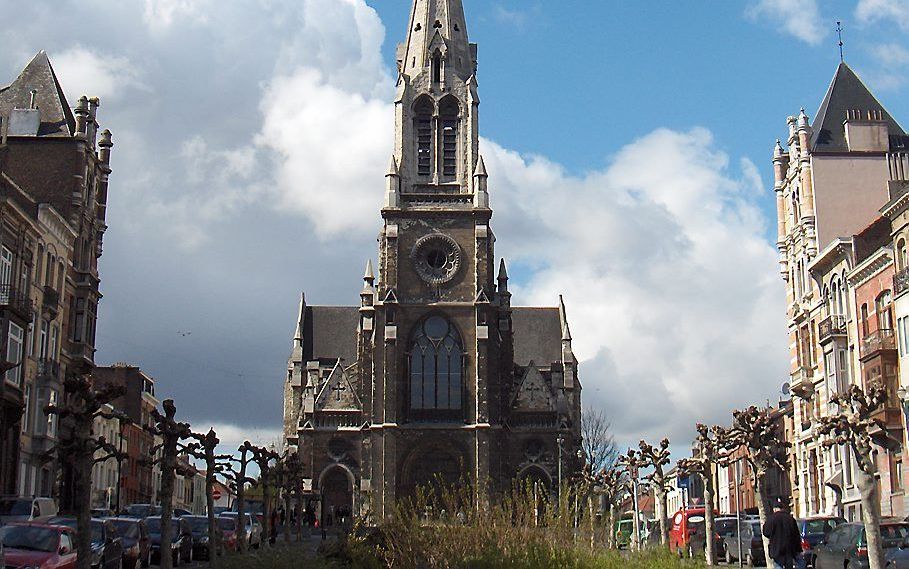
x=435, y=374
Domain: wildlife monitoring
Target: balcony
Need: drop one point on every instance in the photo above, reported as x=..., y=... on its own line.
x=802, y=382
x=901, y=282
x=51, y=303
x=49, y=370
x=876, y=343
x=17, y=301
x=832, y=327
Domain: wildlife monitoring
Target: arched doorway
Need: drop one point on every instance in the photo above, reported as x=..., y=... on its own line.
x=435, y=470
x=337, y=496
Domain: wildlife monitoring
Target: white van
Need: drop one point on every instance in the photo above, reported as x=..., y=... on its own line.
x=14, y=509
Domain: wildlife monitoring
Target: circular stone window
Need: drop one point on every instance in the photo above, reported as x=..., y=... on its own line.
x=436, y=258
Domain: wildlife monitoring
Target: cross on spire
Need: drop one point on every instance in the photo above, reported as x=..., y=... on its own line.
x=839, y=33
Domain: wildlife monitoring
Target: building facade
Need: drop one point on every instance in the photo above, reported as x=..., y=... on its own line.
x=831, y=180
x=435, y=375
x=59, y=160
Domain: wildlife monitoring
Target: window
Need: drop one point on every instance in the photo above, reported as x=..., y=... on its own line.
x=901, y=257
x=6, y=270
x=842, y=372
x=30, y=338
x=884, y=311
x=14, y=344
x=42, y=341
x=423, y=110
x=436, y=364
x=51, y=417
x=437, y=68
x=896, y=471
x=864, y=320
x=27, y=412
x=448, y=117
x=54, y=339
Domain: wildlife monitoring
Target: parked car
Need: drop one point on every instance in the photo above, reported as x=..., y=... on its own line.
x=181, y=546
x=697, y=542
x=136, y=542
x=684, y=524
x=846, y=545
x=180, y=512
x=228, y=532
x=30, y=544
x=199, y=526
x=102, y=513
x=107, y=547
x=252, y=526
x=752, y=543
x=14, y=509
x=813, y=531
x=142, y=511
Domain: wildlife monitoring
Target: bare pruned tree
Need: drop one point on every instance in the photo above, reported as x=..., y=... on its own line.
x=755, y=431
x=656, y=458
x=597, y=442
x=239, y=480
x=710, y=451
x=204, y=449
x=266, y=458
x=857, y=426
x=83, y=404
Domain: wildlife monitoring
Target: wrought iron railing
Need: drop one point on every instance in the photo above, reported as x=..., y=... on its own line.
x=877, y=341
x=15, y=299
x=830, y=327
x=901, y=281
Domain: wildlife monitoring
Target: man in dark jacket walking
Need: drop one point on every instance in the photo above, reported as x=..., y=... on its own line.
x=785, y=539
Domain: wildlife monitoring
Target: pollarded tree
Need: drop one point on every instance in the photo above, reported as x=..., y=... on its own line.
x=83, y=404
x=857, y=427
x=204, y=449
x=266, y=458
x=755, y=431
x=655, y=458
x=710, y=451
x=608, y=484
x=239, y=480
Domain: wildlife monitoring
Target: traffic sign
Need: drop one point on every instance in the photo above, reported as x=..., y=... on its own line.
x=216, y=494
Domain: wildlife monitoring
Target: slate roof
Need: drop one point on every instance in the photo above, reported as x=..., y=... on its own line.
x=56, y=116
x=847, y=93
x=330, y=332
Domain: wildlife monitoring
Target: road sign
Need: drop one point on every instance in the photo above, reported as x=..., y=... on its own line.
x=216, y=494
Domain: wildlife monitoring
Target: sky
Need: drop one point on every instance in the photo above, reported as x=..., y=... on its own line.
x=628, y=145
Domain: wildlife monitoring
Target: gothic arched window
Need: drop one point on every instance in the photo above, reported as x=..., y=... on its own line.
x=423, y=111
x=449, y=112
x=436, y=370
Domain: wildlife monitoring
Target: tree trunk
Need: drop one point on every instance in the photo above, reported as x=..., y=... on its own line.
x=299, y=510
x=286, y=516
x=168, y=466
x=213, y=534
x=760, y=496
x=266, y=509
x=709, y=529
x=82, y=487
x=871, y=514
x=661, y=513
x=610, y=535
x=241, y=507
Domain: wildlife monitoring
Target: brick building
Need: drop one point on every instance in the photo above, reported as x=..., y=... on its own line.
x=435, y=373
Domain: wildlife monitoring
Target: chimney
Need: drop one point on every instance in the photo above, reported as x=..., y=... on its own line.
x=106, y=144
x=33, y=100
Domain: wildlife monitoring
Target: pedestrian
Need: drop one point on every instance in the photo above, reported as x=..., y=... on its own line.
x=785, y=539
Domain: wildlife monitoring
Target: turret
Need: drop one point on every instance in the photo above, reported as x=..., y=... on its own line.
x=105, y=145
x=82, y=114
x=393, y=185
x=480, y=186
x=568, y=359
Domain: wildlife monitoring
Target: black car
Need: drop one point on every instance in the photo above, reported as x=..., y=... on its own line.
x=142, y=511
x=181, y=546
x=813, y=531
x=846, y=545
x=199, y=526
x=136, y=542
x=107, y=547
x=750, y=542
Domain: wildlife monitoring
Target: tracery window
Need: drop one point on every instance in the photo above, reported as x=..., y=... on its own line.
x=436, y=369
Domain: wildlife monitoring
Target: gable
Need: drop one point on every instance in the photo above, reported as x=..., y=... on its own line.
x=338, y=393
x=533, y=393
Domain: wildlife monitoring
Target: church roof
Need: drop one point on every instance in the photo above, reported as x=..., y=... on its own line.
x=330, y=332
x=846, y=93
x=56, y=116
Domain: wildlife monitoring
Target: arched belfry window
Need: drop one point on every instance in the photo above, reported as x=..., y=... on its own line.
x=449, y=112
x=437, y=67
x=423, y=111
x=436, y=361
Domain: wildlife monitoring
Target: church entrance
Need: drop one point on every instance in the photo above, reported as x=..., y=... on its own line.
x=434, y=471
x=337, y=498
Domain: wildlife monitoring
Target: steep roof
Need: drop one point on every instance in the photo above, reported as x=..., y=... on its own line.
x=846, y=93
x=330, y=332
x=56, y=116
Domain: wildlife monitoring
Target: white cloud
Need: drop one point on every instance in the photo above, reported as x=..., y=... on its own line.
x=82, y=71
x=871, y=11
x=798, y=18
x=890, y=68
x=160, y=15
x=670, y=284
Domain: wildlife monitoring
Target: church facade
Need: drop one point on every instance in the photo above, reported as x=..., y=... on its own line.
x=434, y=375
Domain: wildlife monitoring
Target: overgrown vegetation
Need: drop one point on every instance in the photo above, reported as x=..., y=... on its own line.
x=526, y=528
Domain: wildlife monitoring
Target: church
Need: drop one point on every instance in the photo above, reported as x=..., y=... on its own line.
x=434, y=375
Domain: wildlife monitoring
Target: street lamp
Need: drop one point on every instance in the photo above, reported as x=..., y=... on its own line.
x=559, y=441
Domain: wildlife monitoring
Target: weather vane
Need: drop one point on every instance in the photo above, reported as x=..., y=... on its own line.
x=839, y=33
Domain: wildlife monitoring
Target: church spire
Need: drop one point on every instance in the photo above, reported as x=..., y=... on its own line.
x=437, y=36
x=298, y=335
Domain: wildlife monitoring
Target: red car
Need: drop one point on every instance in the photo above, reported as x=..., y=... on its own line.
x=38, y=545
